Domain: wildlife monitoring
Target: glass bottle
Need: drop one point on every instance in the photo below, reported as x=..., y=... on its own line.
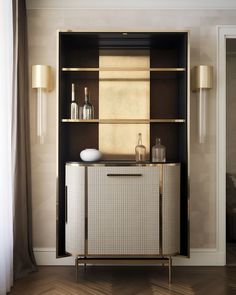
x=88, y=110
x=140, y=150
x=158, y=152
x=73, y=105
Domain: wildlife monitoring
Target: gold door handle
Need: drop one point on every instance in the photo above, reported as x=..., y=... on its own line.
x=125, y=174
x=66, y=207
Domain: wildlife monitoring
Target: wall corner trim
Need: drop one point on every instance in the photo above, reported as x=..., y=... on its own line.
x=130, y=5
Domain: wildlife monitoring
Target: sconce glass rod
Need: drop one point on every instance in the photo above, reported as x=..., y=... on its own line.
x=202, y=82
x=41, y=80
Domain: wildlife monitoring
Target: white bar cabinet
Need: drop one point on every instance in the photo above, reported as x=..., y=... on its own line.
x=122, y=214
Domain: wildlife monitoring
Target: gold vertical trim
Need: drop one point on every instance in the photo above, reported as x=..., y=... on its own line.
x=57, y=217
x=86, y=213
x=57, y=145
x=160, y=208
x=188, y=143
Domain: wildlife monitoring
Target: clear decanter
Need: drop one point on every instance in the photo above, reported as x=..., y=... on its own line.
x=88, y=110
x=140, y=150
x=73, y=105
x=158, y=152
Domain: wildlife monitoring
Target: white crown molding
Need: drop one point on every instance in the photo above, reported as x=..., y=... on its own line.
x=131, y=4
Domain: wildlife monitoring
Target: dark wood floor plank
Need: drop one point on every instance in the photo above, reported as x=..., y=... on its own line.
x=60, y=280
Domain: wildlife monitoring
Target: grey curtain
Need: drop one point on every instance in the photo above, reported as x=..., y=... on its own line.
x=24, y=261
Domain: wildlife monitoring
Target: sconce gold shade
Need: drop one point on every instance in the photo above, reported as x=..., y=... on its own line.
x=42, y=77
x=202, y=77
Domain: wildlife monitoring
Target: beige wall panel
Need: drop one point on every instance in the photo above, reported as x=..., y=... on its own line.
x=42, y=27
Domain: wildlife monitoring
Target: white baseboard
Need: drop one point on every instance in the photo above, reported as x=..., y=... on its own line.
x=47, y=256
x=198, y=257
x=201, y=257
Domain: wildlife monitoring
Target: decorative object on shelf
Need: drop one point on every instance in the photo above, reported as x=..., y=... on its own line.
x=41, y=80
x=73, y=105
x=158, y=152
x=140, y=150
x=88, y=110
x=90, y=155
x=202, y=82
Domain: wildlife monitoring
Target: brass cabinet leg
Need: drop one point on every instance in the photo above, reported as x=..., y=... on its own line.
x=76, y=268
x=162, y=261
x=170, y=270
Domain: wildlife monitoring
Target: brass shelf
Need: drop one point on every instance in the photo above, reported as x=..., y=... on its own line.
x=124, y=121
x=79, y=121
x=130, y=69
x=167, y=120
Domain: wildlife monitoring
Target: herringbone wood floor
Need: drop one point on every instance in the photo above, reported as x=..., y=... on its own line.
x=128, y=281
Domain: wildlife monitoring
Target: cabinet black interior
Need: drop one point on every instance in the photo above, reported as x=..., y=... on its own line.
x=169, y=118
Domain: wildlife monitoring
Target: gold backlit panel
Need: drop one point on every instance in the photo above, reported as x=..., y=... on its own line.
x=120, y=99
x=118, y=141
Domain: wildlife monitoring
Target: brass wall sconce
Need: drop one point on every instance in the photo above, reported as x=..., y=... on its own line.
x=42, y=82
x=202, y=83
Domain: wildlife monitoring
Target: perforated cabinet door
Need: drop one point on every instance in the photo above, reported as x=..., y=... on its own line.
x=75, y=223
x=123, y=211
x=171, y=209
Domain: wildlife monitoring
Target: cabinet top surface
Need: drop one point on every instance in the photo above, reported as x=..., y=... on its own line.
x=120, y=163
x=122, y=31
